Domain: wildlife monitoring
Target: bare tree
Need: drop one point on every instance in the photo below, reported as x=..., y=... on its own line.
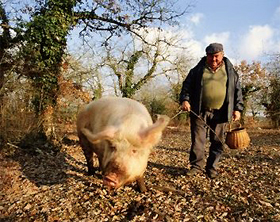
x=254, y=80
x=42, y=26
x=272, y=99
x=139, y=62
x=116, y=17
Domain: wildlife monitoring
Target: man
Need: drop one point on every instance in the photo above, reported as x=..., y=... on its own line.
x=212, y=91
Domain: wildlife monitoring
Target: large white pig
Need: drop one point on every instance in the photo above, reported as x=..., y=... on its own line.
x=121, y=132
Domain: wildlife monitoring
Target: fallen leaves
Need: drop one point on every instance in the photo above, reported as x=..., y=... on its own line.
x=53, y=186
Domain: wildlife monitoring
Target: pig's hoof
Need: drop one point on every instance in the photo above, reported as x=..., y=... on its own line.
x=141, y=185
x=143, y=189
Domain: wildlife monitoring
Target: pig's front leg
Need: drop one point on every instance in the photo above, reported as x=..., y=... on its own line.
x=89, y=158
x=88, y=152
x=141, y=184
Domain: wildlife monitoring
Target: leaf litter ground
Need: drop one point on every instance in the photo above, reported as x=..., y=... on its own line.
x=45, y=184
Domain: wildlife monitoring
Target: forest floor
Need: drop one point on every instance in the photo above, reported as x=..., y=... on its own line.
x=44, y=183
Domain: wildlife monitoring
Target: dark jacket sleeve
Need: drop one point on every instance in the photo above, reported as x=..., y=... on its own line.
x=191, y=87
x=192, y=84
x=238, y=98
x=235, y=99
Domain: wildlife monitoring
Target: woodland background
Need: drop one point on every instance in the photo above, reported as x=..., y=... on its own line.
x=42, y=87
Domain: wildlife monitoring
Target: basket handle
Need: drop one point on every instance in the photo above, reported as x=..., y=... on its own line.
x=230, y=126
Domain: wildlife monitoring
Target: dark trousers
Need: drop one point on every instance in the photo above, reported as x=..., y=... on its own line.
x=199, y=137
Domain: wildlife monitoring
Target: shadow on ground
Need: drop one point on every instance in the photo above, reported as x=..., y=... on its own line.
x=45, y=163
x=172, y=170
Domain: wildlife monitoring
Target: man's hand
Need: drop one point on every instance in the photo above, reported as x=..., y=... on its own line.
x=236, y=115
x=186, y=106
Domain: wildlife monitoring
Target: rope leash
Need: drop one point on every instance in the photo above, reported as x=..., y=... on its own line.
x=180, y=112
x=199, y=117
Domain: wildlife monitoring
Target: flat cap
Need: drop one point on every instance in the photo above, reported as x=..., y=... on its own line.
x=214, y=48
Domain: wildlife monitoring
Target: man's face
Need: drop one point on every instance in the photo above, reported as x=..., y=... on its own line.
x=214, y=60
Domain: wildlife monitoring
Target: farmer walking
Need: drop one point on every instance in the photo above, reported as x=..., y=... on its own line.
x=212, y=91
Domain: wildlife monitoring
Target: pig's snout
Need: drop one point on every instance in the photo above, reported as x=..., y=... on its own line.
x=110, y=180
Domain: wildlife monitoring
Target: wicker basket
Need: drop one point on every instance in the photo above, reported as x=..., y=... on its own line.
x=237, y=138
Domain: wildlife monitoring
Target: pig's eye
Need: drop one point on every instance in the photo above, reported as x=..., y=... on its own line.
x=112, y=147
x=134, y=151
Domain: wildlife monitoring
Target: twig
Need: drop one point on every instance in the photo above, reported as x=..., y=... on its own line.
x=13, y=145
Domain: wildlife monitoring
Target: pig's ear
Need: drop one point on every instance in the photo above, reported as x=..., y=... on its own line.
x=151, y=135
x=108, y=133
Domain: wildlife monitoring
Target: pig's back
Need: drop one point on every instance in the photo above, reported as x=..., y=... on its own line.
x=111, y=111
